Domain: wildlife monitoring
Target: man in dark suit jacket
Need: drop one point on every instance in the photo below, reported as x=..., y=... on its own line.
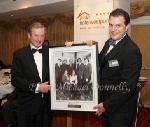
x=58, y=67
x=30, y=76
x=80, y=70
x=71, y=66
x=87, y=71
x=120, y=64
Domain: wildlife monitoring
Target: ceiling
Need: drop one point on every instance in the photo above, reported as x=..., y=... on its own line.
x=16, y=9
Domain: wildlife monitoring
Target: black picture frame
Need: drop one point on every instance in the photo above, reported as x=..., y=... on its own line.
x=73, y=77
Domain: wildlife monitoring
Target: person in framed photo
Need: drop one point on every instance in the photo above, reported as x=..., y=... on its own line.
x=87, y=71
x=65, y=78
x=66, y=85
x=73, y=78
x=87, y=78
x=30, y=76
x=71, y=66
x=64, y=66
x=58, y=71
x=74, y=85
x=80, y=70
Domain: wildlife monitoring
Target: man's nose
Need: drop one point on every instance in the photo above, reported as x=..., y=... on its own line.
x=39, y=39
x=113, y=28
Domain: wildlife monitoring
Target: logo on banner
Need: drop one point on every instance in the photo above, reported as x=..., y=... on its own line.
x=83, y=15
x=92, y=20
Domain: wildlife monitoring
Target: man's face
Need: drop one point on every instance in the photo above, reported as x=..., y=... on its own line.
x=117, y=27
x=37, y=36
x=70, y=61
x=59, y=62
x=64, y=61
x=86, y=61
x=79, y=61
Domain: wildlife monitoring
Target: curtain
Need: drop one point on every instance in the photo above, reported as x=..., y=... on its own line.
x=13, y=34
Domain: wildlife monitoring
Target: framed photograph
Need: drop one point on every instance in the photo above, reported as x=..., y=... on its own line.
x=73, y=77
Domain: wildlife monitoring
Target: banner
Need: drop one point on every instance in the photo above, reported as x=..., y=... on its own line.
x=91, y=20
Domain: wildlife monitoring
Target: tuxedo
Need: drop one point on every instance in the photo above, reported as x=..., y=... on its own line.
x=119, y=73
x=25, y=78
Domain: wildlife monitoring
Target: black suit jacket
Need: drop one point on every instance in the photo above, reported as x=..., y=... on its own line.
x=119, y=73
x=25, y=77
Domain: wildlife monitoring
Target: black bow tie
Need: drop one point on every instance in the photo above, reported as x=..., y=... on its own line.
x=34, y=50
x=112, y=42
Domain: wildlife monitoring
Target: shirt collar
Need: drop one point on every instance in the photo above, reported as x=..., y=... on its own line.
x=120, y=38
x=33, y=47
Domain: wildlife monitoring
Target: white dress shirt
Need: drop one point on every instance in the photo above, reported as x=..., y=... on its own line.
x=38, y=60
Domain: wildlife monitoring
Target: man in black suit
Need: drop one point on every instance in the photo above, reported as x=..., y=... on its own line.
x=120, y=64
x=80, y=70
x=71, y=66
x=58, y=67
x=30, y=76
x=87, y=71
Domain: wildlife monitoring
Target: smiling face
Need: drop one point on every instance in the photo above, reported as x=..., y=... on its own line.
x=37, y=36
x=117, y=27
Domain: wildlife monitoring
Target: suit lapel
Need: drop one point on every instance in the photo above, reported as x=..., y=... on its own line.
x=32, y=61
x=113, y=52
x=103, y=52
x=45, y=65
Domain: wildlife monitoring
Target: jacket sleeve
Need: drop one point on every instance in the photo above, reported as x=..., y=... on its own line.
x=18, y=79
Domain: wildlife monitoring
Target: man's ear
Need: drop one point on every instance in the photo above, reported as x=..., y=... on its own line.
x=128, y=26
x=29, y=35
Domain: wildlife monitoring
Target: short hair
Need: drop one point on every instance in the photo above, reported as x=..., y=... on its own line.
x=79, y=59
x=120, y=12
x=35, y=25
x=64, y=60
x=59, y=59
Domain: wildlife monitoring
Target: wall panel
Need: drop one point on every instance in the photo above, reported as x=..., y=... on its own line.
x=141, y=35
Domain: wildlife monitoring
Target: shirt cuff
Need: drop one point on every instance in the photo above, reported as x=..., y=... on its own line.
x=37, y=87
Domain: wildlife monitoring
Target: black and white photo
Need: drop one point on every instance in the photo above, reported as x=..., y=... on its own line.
x=73, y=75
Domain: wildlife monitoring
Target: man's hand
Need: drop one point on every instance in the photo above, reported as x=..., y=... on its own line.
x=89, y=42
x=44, y=87
x=100, y=109
x=3, y=102
x=69, y=43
